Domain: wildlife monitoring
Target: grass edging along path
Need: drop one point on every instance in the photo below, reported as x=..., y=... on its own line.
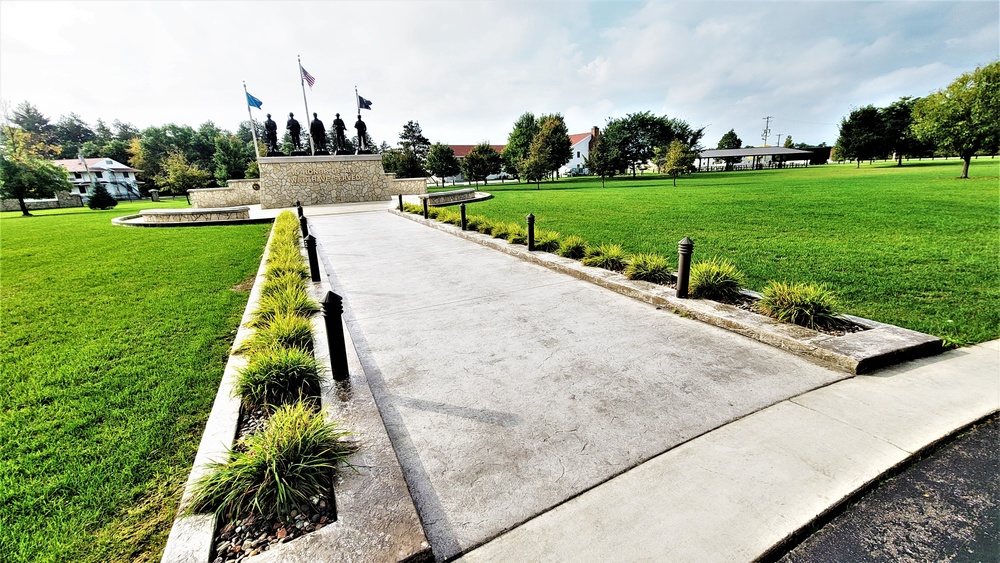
x=911, y=246
x=111, y=345
x=860, y=352
x=376, y=517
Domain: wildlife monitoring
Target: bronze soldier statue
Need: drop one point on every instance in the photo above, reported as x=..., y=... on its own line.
x=363, y=147
x=339, y=126
x=318, y=133
x=294, y=129
x=271, y=131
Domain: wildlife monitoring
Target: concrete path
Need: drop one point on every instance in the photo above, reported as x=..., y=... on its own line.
x=509, y=389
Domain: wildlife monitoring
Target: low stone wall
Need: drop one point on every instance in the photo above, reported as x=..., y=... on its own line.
x=439, y=198
x=236, y=192
x=408, y=186
x=318, y=180
x=193, y=215
x=62, y=199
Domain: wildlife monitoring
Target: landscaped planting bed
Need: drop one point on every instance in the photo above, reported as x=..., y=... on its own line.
x=112, y=342
x=276, y=482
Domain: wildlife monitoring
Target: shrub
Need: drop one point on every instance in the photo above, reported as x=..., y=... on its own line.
x=283, y=281
x=283, y=302
x=101, y=199
x=288, y=462
x=432, y=212
x=648, y=267
x=284, y=331
x=517, y=234
x=276, y=376
x=573, y=247
x=472, y=222
x=413, y=208
x=450, y=217
x=546, y=241
x=607, y=256
x=716, y=279
x=504, y=230
x=806, y=304
x=485, y=226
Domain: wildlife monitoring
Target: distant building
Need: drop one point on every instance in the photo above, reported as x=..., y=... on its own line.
x=119, y=179
x=461, y=151
x=582, y=143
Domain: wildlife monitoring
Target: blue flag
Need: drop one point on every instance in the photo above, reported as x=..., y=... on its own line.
x=364, y=104
x=254, y=101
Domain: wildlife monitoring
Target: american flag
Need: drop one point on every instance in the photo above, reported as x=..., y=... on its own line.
x=307, y=77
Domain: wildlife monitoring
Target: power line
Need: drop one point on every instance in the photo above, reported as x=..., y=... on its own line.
x=767, y=129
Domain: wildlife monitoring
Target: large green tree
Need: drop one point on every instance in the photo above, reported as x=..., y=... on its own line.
x=519, y=142
x=637, y=135
x=71, y=133
x=231, y=159
x=25, y=171
x=551, y=146
x=601, y=160
x=730, y=141
x=482, y=161
x=862, y=135
x=179, y=176
x=897, y=122
x=964, y=118
x=441, y=162
x=412, y=138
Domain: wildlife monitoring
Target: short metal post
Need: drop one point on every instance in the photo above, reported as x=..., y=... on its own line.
x=333, y=310
x=684, y=250
x=400, y=202
x=531, y=231
x=426, y=214
x=465, y=221
x=313, y=258
x=298, y=206
x=304, y=225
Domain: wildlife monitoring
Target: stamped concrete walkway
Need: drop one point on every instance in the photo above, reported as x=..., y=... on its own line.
x=540, y=418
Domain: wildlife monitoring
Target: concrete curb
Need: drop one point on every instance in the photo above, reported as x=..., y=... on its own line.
x=377, y=520
x=861, y=352
x=137, y=221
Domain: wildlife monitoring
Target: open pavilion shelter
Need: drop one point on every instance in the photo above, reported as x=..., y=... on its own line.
x=760, y=158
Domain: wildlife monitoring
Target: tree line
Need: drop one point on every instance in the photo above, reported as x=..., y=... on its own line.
x=961, y=120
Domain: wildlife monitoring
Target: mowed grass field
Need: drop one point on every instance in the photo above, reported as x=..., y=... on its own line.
x=911, y=245
x=113, y=341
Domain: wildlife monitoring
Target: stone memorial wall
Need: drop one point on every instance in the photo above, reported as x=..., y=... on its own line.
x=236, y=192
x=318, y=180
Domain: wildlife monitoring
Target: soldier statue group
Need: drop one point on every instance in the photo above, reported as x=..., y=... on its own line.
x=317, y=133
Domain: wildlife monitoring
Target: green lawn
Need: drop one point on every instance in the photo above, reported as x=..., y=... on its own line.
x=911, y=246
x=112, y=345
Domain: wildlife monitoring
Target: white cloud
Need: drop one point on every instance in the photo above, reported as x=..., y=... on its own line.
x=467, y=70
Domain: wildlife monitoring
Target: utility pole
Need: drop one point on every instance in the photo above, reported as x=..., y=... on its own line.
x=777, y=143
x=767, y=129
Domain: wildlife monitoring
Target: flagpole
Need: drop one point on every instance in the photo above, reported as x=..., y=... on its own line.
x=302, y=81
x=357, y=100
x=253, y=128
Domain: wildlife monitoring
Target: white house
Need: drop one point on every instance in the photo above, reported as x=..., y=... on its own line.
x=581, y=152
x=119, y=179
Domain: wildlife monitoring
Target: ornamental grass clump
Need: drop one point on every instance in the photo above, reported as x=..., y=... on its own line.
x=517, y=234
x=573, y=247
x=413, y=208
x=283, y=331
x=648, y=267
x=283, y=302
x=607, y=256
x=280, y=469
x=485, y=226
x=277, y=376
x=284, y=281
x=716, y=279
x=547, y=241
x=805, y=304
x=450, y=217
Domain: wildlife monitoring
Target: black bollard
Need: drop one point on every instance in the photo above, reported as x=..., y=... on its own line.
x=400, y=203
x=684, y=250
x=333, y=309
x=313, y=258
x=531, y=231
x=298, y=206
x=426, y=214
x=465, y=222
x=304, y=225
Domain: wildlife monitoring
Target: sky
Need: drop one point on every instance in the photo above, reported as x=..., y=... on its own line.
x=466, y=70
